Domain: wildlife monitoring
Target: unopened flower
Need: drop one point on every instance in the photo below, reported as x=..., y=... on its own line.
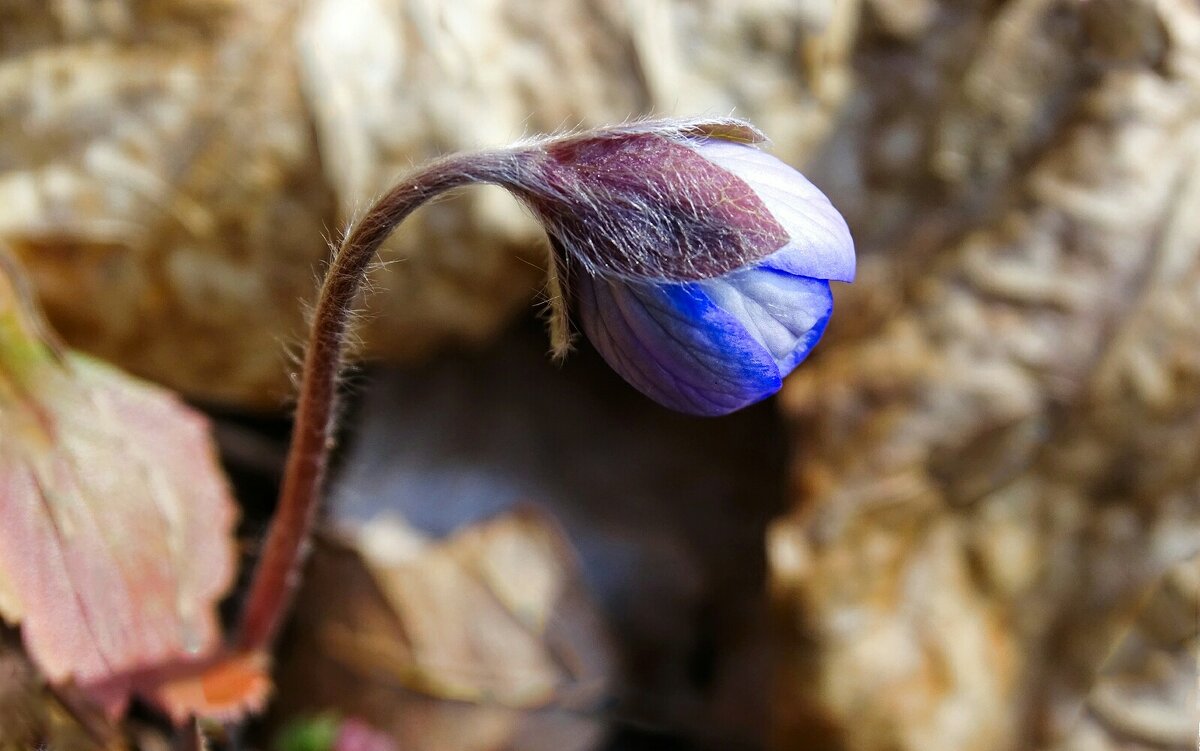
x=700, y=263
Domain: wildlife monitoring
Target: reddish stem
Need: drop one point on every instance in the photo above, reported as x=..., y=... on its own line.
x=277, y=575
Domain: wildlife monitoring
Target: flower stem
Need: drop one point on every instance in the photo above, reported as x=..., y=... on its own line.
x=273, y=585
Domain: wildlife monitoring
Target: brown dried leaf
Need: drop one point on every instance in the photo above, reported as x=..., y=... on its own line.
x=1145, y=694
x=483, y=641
x=988, y=480
x=31, y=716
x=116, y=542
x=159, y=183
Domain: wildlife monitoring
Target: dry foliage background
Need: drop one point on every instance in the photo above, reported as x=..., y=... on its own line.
x=982, y=530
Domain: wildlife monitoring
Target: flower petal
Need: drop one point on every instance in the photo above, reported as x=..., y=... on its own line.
x=785, y=313
x=675, y=345
x=820, y=246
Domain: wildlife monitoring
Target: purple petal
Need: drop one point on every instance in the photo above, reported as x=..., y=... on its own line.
x=672, y=343
x=708, y=347
x=820, y=244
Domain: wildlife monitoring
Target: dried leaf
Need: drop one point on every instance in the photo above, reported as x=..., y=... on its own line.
x=483, y=641
x=1145, y=691
x=669, y=536
x=116, y=542
x=31, y=716
x=987, y=478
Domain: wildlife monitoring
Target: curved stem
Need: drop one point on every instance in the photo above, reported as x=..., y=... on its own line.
x=274, y=582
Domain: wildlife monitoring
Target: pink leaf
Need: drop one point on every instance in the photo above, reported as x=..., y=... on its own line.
x=115, y=519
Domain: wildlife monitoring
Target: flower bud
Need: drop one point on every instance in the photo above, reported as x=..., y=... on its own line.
x=700, y=263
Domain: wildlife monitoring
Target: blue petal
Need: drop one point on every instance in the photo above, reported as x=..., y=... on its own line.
x=672, y=343
x=710, y=347
x=820, y=246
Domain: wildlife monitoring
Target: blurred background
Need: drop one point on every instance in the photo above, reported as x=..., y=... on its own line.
x=970, y=522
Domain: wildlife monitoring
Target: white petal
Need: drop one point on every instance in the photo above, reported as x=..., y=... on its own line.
x=820, y=246
x=784, y=313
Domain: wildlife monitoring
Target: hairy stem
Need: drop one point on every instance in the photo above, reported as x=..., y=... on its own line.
x=277, y=575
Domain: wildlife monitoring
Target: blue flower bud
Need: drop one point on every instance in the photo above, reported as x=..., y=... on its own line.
x=701, y=264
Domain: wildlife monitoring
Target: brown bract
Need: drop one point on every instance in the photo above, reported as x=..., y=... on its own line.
x=646, y=206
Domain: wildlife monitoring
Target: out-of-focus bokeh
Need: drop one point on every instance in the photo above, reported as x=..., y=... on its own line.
x=171, y=170
x=970, y=522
